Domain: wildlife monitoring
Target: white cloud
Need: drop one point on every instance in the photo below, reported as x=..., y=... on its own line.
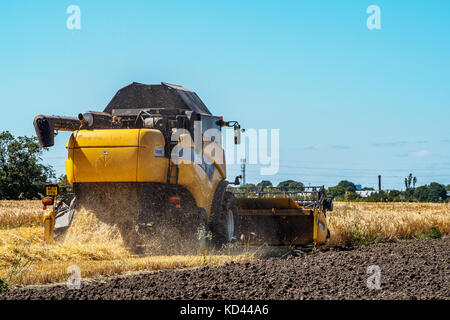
x=420, y=154
x=390, y=144
x=320, y=147
x=326, y=147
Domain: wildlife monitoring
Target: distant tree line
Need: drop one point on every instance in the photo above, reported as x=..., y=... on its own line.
x=286, y=185
x=346, y=191
x=434, y=192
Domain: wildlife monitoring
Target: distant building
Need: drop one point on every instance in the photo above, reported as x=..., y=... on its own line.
x=365, y=193
x=448, y=194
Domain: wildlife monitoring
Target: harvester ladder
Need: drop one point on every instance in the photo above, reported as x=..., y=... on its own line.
x=172, y=177
x=172, y=173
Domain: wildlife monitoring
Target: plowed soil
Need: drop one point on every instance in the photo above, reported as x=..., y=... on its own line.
x=413, y=269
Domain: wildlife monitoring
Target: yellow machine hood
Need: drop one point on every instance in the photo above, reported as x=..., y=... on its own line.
x=119, y=155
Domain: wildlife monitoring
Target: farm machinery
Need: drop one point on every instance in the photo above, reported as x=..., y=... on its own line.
x=153, y=161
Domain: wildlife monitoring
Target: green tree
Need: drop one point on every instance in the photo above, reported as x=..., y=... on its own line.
x=347, y=185
x=247, y=185
x=410, y=180
x=409, y=193
x=290, y=184
x=448, y=187
x=21, y=173
x=437, y=192
x=395, y=193
x=422, y=193
x=336, y=192
x=264, y=184
x=63, y=181
x=350, y=195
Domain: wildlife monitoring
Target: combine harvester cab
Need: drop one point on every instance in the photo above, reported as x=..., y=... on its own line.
x=283, y=216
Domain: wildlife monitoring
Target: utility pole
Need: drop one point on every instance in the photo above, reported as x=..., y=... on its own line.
x=243, y=170
x=379, y=183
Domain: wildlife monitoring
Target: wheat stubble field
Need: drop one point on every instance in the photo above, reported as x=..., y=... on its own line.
x=92, y=246
x=375, y=229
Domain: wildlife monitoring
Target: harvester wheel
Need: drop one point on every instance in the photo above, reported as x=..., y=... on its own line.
x=223, y=220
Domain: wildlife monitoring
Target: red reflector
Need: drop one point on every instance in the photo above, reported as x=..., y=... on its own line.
x=177, y=206
x=175, y=199
x=47, y=201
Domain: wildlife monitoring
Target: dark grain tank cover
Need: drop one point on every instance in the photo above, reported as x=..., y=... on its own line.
x=164, y=95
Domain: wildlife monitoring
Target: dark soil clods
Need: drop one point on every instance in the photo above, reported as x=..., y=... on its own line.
x=413, y=269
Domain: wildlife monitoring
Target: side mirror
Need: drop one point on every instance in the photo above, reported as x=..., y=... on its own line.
x=236, y=180
x=237, y=134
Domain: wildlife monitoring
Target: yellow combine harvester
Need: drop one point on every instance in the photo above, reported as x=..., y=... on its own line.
x=158, y=149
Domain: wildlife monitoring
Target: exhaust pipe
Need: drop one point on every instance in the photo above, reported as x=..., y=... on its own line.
x=46, y=126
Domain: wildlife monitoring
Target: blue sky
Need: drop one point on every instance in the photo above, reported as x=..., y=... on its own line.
x=350, y=103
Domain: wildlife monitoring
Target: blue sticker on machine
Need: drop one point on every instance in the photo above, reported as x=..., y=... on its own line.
x=208, y=168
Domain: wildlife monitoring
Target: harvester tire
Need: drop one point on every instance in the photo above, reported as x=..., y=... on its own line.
x=223, y=219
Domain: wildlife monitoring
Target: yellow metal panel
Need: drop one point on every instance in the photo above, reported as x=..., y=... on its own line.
x=69, y=170
x=199, y=185
x=71, y=140
x=195, y=179
x=49, y=226
x=148, y=138
x=107, y=138
x=115, y=155
x=105, y=164
x=320, y=227
x=149, y=167
x=69, y=160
